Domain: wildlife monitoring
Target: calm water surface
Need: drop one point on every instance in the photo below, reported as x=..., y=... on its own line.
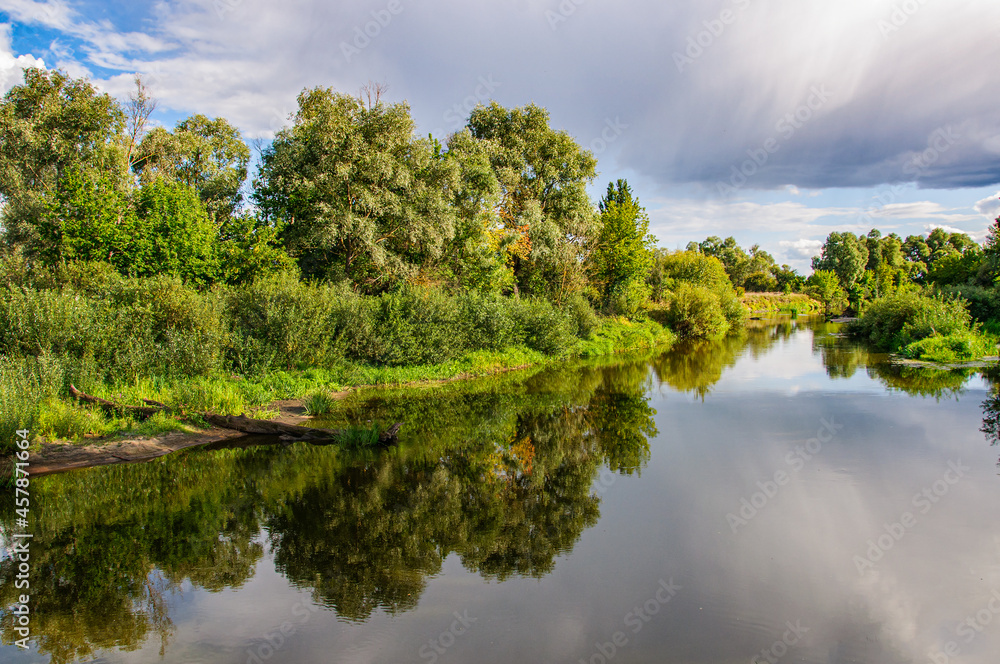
x=779, y=496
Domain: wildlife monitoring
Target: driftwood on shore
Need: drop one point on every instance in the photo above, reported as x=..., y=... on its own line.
x=290, y=431
x=241, y=423
x=139, y=412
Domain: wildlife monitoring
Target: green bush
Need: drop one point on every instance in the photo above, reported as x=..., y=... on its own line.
x=950, y=348
x=488, y=320
x=541, y=326
x=581, y=314
x=411, y=326
x=983, y=303
x=281, y=322
x=890, y=323
x=696, y=311
x=628, y=299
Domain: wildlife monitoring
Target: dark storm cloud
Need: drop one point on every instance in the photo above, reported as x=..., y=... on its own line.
x=744, y=94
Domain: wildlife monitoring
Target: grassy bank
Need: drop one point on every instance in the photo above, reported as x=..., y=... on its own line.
x=922, y=326
x=785, y=303
x=33, y=390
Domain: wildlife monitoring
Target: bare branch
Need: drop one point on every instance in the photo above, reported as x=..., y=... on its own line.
x=371, y=93
x=138, y=109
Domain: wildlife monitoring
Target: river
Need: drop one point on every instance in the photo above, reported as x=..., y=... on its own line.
x=781, y=495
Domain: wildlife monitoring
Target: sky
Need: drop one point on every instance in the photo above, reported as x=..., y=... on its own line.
x=774, y=121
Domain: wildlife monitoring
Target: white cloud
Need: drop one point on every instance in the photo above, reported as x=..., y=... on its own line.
x=989, y=207
x=924, y=210
x=975, y=235
x=696, y=218
x=12, y=68
x=801, y=249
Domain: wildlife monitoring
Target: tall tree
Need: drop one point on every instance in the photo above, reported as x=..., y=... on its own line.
x=359, y=196
x=622, y=253
x=206, y=154
x=542, y=175
x=49, y=126
x=844, y=254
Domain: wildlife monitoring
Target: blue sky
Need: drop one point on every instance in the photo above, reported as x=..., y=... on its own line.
x=775, y=121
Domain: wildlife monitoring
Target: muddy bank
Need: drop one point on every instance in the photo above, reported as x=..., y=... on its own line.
x=58, y=457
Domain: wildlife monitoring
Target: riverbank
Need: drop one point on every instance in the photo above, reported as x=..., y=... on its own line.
x=773, y=303
x=91, y=437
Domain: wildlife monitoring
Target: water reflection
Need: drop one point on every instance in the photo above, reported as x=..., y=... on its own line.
x=506, y=478
x=500, y=473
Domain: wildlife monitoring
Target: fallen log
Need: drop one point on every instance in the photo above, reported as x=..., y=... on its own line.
x=139, y=412
x=241, y=423
x=290, y=432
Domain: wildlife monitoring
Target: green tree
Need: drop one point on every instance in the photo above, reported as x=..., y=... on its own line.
x=622, y=254
x=250, y=247
x=543, y=207
x=480, y=255
x=844, y=254
x=86, y=218
x=359, y=197
x=208, y=155
x=824, y=285
x=989, y=269
x=173, y=235
x=49, y=126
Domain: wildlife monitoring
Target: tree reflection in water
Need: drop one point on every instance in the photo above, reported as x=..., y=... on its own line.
x=498, y=472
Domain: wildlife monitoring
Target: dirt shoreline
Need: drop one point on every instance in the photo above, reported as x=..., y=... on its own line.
x=59, y=457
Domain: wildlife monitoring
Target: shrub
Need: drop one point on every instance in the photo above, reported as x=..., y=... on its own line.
x=983, y=303
x=696, y=311
x=897, y=320
x=582, y=316
x=949, y=348
x=488, y=321
x=410, y=326
x=628, y=299
x=671, y=268
x=280, y=322
x=542, y=327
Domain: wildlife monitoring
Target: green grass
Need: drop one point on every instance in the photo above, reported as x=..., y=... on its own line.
x=360, y=437
x=790, y=303
x=619, y=335
x=319, y=403
x=34, y=397
x=958, y=347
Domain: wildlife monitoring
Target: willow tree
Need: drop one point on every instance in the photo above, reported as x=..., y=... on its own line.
x=542, y=210
x=206, y=154
x=359, y=196
x=50, y=126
